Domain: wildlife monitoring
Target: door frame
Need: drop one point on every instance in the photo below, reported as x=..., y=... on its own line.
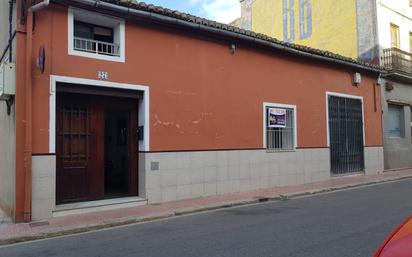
x=327, y=114
x=143, y=117
x=143, y=106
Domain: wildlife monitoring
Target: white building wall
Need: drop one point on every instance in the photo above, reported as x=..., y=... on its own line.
x=174, y=176
x=4, y=21
x=44, y=186
x=7, y=125
x=399, y=13
x=7, y=159
x=187, y=175
x=397, y=150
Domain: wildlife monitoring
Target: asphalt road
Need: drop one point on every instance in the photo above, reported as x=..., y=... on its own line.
x=341, y=224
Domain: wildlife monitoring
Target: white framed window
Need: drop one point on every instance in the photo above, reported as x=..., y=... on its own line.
x=396, y=121
x=395, y=36
x=94, y=35
x=279, y=127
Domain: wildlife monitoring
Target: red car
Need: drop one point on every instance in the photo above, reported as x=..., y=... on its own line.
x=399, y=244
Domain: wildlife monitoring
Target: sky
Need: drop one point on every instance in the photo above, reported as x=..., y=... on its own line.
x=219, y=10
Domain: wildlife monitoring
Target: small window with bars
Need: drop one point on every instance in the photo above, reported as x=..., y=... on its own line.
x=280, y=128
x=74, y=133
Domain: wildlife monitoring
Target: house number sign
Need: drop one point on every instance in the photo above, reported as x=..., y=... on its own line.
x=103, y=75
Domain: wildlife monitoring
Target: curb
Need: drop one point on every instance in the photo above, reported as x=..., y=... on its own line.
x=212, y=207
x=186, y=211
x=83, y=229
x=339, y=188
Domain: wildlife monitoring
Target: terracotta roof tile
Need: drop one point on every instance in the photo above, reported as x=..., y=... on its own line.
x=225, y=27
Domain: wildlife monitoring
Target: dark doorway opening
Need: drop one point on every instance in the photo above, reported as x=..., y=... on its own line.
x=116, y=168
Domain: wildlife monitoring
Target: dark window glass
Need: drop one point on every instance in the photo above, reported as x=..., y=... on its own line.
x=395, y=121
x=103, y=34
x=83, y=30
x=93, y=32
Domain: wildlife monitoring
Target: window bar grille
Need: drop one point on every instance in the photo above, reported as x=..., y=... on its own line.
x=97, y=47
x=281, y=138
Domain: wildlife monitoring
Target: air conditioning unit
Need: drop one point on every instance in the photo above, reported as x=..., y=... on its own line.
x=7, y=80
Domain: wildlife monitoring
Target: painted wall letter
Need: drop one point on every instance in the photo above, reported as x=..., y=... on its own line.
x=305, y=19
x=288, y=20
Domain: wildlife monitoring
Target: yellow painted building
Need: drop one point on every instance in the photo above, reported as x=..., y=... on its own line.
x=324, y=24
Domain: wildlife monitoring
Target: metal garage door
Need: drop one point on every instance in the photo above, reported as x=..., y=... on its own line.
x=346, y=135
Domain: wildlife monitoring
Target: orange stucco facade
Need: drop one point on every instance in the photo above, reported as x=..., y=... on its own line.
x=202, y=97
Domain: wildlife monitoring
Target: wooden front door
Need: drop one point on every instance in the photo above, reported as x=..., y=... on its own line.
x=80, y=146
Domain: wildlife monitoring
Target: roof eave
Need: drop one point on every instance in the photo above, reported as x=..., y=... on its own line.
x=229, y=31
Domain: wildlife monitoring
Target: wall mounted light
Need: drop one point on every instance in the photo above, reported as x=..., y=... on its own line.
x=357, y=79
x=232, y=49
x=380, y=81
x=389, y=86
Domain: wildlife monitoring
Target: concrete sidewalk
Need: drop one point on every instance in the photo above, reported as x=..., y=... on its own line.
x=15, y=233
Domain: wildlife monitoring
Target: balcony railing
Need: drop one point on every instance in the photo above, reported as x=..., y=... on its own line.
x=397, y=60
x=96, y=47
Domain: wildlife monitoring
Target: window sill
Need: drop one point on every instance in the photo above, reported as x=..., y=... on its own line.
x=396, y=138
x=97, y=56
x=280, y=151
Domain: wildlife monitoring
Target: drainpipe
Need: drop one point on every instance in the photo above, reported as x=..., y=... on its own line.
x=10, y=101
x=39, y=6
x=11, y=30
x=28, y=120
x=28, y=112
